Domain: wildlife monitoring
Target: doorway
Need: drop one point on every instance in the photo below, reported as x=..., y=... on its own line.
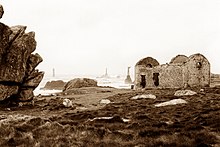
x=143, y=81
x=156, y=79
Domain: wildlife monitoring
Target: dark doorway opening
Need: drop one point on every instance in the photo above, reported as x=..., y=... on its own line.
x=143, y=81
x=156, y=79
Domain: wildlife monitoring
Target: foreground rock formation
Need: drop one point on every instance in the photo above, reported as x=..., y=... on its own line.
x=18, y=76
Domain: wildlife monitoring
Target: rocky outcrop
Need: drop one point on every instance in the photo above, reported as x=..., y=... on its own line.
x=55, y=85
x=79, y=83
x=18, y=76
x=1, y=11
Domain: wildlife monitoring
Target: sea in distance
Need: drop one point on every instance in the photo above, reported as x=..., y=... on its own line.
x=112, y=81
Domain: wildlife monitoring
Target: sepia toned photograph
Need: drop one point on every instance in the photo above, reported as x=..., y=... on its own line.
x=109, y=73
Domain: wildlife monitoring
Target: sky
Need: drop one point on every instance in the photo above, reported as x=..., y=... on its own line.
x=84, y=37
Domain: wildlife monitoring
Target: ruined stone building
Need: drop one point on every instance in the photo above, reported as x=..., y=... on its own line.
x=182, y=71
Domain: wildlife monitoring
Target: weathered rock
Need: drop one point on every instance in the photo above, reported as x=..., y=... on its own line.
x=32, y=62
x=18, y=77
x=14, y=66
x=5, y=32
x=67, y=103
x=16, y=31
x=28, y=86
x=105, y=101
x=7, y=91
x=184, y=92
x=171, y=102
x=144, y=96
x=1, y=11
x=57, y=85
x=78, y=83
x=25, y=94
x=33, y=80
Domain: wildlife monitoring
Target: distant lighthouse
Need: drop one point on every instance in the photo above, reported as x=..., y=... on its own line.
x=53, y=72
x=106, y=72
x=128, y=78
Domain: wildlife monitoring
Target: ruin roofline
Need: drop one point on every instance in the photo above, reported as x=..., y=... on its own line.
x=143, y=61
x=147, y=60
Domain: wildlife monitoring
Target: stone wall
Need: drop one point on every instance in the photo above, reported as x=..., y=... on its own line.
x=169, y=76
x=215, y=80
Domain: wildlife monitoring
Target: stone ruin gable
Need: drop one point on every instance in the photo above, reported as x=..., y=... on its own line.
x=18, y=76
x=197, y=71
x=143, y=69
x=179, y=59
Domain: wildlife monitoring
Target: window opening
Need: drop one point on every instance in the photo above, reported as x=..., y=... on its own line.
x=199, y=65
x=149, y=66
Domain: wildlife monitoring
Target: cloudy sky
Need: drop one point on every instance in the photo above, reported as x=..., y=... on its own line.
x=83, y=37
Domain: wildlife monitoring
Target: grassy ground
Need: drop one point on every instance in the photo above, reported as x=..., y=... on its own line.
x=123, y=122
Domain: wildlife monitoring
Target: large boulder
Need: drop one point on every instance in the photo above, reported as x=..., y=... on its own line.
x=18, y=76
x=55, y=85
x=79, y=83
